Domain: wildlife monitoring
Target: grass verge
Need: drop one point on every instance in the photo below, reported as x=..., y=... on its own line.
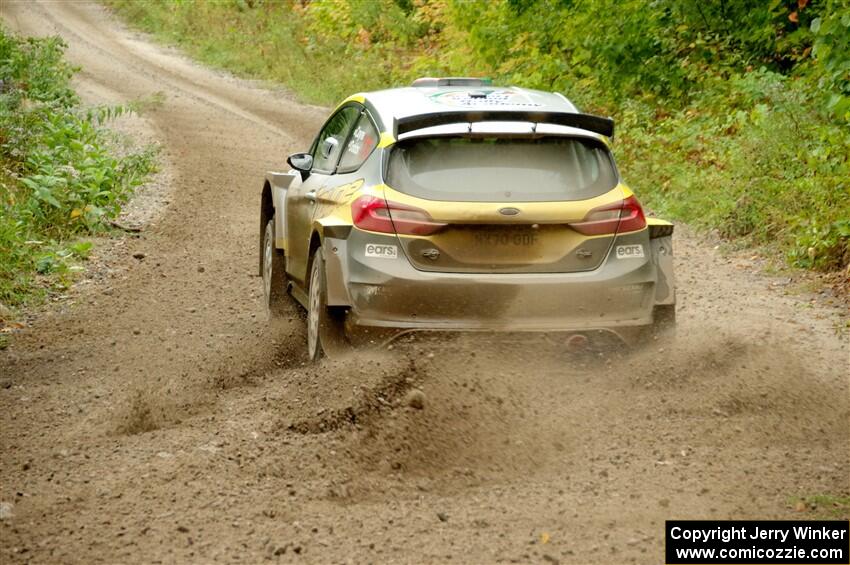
x=60, y=177
x=824, y=506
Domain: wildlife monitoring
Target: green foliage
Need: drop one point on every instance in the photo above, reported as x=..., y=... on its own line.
x=58, y=178
x=732, y=115
x=824, y=506
x=33, y=69
x=832, y=52
x=766, y=172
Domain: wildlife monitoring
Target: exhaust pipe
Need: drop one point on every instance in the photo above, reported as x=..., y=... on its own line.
x=577, y=342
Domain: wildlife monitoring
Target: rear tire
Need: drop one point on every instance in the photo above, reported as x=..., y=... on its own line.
x=274, y=275
x=325, y=325
x=663, y=326
x=664, y=319
x=662, y=329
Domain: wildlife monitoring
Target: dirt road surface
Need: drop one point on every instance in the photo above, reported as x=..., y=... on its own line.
x=158, y=417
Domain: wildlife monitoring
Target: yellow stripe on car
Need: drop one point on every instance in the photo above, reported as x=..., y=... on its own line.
x=386, y=140
x=359, y=98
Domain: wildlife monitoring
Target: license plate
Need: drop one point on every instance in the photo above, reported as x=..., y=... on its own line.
x=506, y=238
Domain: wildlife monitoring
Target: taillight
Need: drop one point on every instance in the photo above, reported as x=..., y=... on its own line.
x=619, y=217
x=372, y=213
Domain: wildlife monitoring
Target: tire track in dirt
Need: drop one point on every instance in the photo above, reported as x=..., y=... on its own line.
x=135, y=57
x=162, y=420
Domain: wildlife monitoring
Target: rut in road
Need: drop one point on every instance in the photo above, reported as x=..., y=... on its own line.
x=166, y=419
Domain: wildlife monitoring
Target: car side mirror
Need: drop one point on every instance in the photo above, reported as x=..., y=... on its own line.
x=301, y=162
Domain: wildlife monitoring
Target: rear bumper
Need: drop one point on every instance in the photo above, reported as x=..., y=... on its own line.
x=391, y=293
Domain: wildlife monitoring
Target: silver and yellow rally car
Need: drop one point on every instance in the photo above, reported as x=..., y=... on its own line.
x=453, y=205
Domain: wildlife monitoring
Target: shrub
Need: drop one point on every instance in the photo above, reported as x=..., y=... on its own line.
x=58, y=177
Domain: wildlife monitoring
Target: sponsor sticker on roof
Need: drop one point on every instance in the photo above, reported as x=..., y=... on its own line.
x=483, y=97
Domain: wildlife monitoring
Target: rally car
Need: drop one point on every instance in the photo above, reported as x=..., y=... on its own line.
x=454, y=205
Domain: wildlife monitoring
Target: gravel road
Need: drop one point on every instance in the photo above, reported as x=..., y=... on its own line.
x=157, y=417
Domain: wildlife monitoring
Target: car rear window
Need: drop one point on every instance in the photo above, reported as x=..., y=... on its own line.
x=470, y=169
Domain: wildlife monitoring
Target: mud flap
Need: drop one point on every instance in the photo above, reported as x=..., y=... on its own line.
x=280, y=183
x=335, y=251
x=662, y=255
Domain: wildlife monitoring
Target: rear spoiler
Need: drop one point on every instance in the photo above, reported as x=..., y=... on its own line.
x=596, y=124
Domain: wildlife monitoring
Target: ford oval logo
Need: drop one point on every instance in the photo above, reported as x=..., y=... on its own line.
x=509, y=211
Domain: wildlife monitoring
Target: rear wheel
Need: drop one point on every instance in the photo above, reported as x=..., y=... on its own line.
x=274, y=274
x=663, y=326
x=325, y=325
x=661, y=331
x=664, y=319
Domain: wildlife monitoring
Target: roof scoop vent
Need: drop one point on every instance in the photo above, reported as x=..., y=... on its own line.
x=451, y=81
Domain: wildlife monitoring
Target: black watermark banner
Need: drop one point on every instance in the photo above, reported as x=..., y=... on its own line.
x=744, y=542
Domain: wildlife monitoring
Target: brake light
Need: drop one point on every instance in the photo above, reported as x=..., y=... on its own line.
x=372, y=213
x=619, y=217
